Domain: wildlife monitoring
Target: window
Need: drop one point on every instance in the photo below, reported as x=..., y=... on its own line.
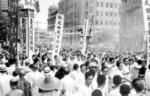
x=101, y=13
x=116, y=5
x=107, y=5
x=106, y=13
x=101, y=22
x=102, y=4
x=110, y=14
x=96, y=22
x=111, y=5
x=106, y=22
x=97, y=13
x=110, y=22
x=115, y=14
x=97, y=4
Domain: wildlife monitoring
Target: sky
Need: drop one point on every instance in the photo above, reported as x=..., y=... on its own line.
x=42, y=16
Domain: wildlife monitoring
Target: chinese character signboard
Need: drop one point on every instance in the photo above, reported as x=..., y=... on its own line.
x=146, y=13
x=31, y=32
x=26, y=34
x=85, y=32
x=58, y=34
x=23, y=35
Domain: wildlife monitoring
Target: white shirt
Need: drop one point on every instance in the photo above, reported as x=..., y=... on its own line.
x=115, y=92
x=83, y=91
x=32, y=78
x=74, y=75
x=69, y=85
x=11, y=69
x=4, y=84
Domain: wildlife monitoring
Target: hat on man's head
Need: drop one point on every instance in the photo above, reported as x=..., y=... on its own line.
x=3, y=68
x=49, y=83
x=63, y=64
x=93, y=64
x=46, y=70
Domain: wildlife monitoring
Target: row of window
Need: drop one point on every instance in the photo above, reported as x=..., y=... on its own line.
x=108, y=5
x=106, y=22
x=107, y=13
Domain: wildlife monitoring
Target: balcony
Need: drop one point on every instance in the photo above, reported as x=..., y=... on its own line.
x=129, y=6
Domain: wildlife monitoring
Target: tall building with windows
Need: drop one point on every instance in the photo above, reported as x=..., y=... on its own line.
x=52, y=12
x=102, y=15
x=132, y=25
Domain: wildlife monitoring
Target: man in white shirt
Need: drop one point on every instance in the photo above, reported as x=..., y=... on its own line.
x=4, y=81
x=69, y=83
x=117, y=82
x=85, y=90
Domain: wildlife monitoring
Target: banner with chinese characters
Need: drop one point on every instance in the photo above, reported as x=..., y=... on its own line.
x=23, y=34
x=58, y=31
x=31, y=33
x=146, y=15
x=85, y=32
x=26, y=34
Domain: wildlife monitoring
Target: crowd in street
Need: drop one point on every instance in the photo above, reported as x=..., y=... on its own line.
x=72, y=73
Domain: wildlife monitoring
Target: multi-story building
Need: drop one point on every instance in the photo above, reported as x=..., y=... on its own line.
x=52, y=12
x=102, y=14
x=132, y=25
x=4, y=6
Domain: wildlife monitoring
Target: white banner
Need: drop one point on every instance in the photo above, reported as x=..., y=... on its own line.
x=31, y=33
x=146, y=13
x=58, y=34
x=24, y=35
x=85, y=32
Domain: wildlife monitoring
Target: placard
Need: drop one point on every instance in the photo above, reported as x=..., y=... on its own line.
x=58, y=34
x=85, y=32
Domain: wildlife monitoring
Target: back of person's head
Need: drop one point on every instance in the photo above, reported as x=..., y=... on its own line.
x=60, y=74
x=75, y=66
x=87, y=74
x=138, y=85
x=118, y=63
x=13, y=82
x=149, y=66
x=101, y=80
x=97, y=93
x=125, y=90
x=22, y=73
x=117, y=80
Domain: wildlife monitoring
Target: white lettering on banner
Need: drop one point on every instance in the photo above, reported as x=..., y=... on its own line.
x=85, y=32
x=58, y=34
x=146, y=14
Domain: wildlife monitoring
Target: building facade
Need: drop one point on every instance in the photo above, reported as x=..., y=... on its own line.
x=52, y=12
x=102, y=15
x=132, y=25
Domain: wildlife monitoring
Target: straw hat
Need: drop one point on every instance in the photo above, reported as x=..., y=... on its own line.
x=93, y=64
x=63, y=64
x=3, y=68
x=49, y=83
x=46, y=70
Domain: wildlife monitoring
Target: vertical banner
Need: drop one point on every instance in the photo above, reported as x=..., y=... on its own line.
x=85, y=32
x=58, y=34
x=31, y=32
x=146, y=13
x=24, y=33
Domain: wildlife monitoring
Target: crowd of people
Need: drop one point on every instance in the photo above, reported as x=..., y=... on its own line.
x=72, y=73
